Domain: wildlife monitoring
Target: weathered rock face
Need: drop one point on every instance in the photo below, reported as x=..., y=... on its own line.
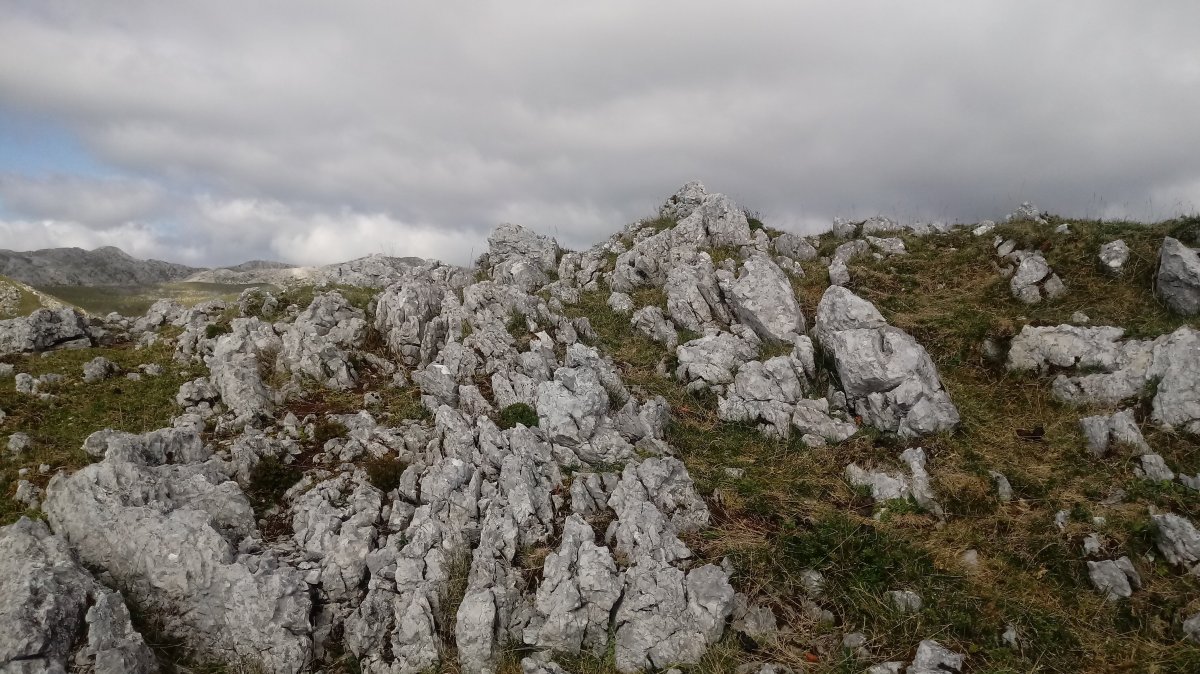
x=1178, y=279
x=44, y=606
x=407, y=316
x=682, y=203
x=712, y=360
x=168, y=534
x=668, y=617
x=42, y=330
x=763, y=299
x=235, y=368
x=580, y=586
x=694, y=299
x=317, y=344
x=521, y=258
x=888, y=378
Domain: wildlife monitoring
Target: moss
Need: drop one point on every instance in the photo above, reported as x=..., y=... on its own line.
x=518, y=413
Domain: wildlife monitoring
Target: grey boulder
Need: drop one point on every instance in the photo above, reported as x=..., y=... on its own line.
x=1178, y=278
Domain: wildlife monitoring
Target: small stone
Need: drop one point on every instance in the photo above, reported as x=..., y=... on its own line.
x=19, y=443
x=1003, y=489
x=1113, y=256
x=905, y=601
x=1154, y=468
x=1080, y=318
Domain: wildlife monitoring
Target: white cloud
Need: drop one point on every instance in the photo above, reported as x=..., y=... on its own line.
x=419, y=126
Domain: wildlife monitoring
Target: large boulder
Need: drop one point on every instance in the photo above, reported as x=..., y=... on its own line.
x=43, y=330
x=763, y=299
x=1178, y=279
x=887, y=376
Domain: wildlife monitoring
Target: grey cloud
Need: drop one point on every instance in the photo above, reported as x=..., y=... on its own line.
x=429, y=124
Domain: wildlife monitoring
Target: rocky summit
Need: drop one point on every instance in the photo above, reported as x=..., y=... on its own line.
x=701, y=445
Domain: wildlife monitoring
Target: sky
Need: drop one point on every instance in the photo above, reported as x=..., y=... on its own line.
x=308, y=131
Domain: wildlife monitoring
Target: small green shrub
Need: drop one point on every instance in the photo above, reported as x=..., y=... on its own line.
x=327, y=429
x=385, y=473
x=518, y=413
x=215, y=330
x=269, y=480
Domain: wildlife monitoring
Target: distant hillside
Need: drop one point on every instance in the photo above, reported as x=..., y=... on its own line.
x=107, y=266
x=18, y=299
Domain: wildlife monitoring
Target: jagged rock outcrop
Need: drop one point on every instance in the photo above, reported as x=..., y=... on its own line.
x=318, y=342
x=580, y=586
x=762, y=298
x=172, y=536
x=1121, y=370
x=888, y=378
x=669, y=617
x=235, y=367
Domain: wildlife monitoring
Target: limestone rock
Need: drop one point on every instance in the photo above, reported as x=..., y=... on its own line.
x=180, y=557
x=795, y=247
x=1177, y=281
x=934, y=658
x=43, y=330
x=99, y=369
x=667, y=617
x=1178, y=541
x=1116, y=579
x=44, y=606
x=317, y=344
x=762, y=298
x=651, y=322
x=1103, y=431
x=887, y=376
x=712, y=360
x=580, y=585
x=1113, y=256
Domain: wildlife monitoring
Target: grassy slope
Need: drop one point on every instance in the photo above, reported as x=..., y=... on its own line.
x=28, y=303
x=135, y=300
x=791, y=509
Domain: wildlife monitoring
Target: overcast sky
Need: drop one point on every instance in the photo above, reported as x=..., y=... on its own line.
x=314, y=131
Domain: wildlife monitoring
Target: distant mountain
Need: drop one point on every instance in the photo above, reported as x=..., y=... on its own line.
x=107, y=266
